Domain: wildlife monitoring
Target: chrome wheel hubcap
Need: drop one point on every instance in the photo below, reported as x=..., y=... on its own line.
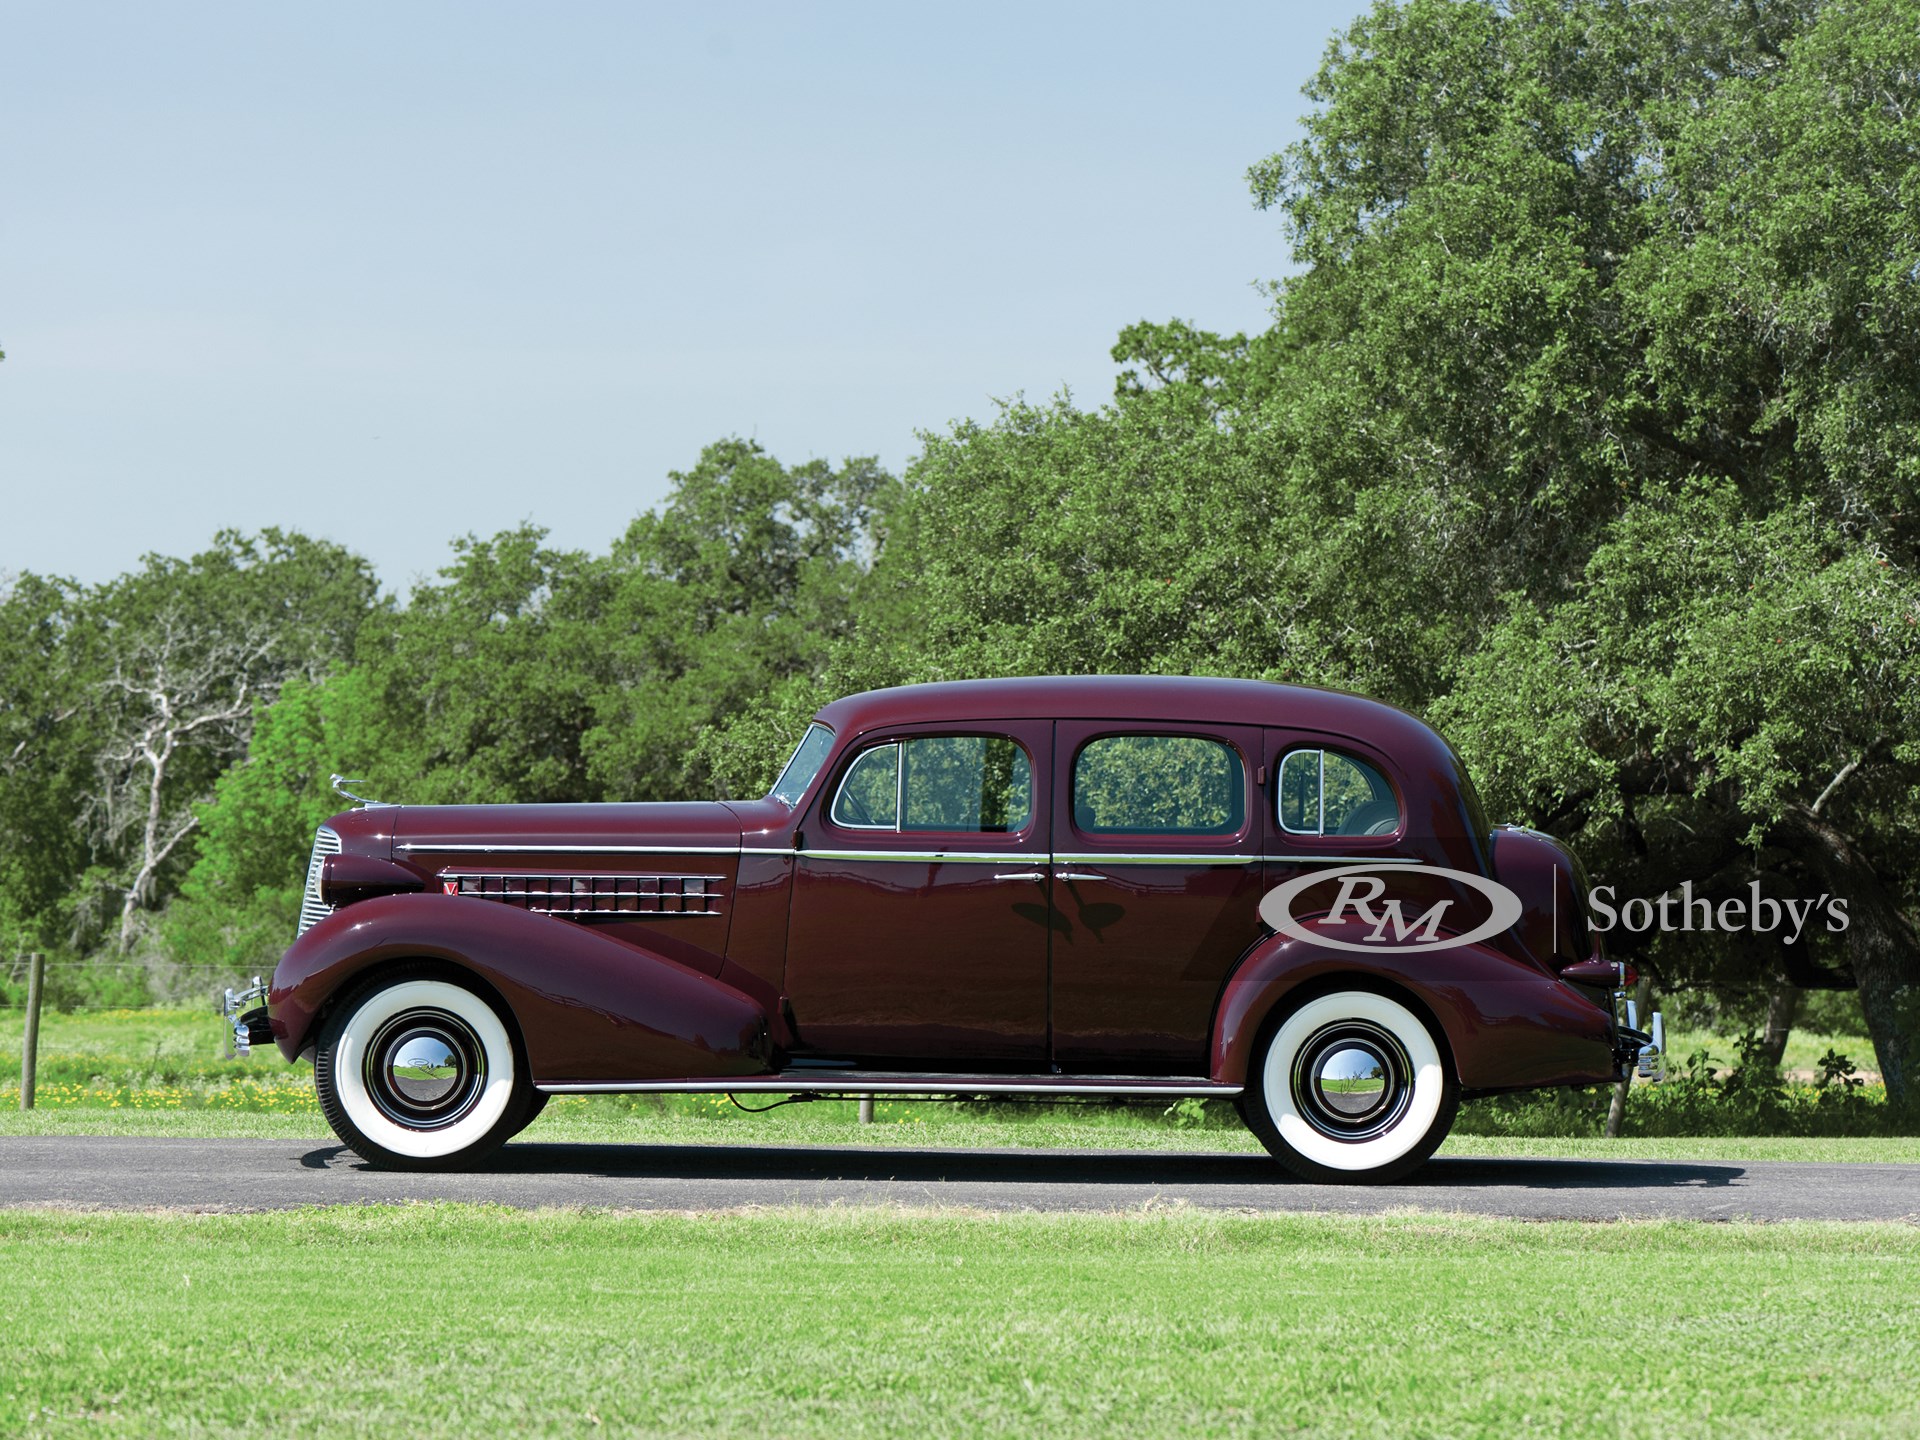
x=425, y=1069
x=1352, y=1081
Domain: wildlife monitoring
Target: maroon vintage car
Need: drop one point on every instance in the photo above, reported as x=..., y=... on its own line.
x=1106, y=886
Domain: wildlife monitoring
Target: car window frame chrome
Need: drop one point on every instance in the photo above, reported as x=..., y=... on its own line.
x=773, y=793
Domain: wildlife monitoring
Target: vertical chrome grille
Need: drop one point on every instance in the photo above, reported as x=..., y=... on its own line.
x=312, y=910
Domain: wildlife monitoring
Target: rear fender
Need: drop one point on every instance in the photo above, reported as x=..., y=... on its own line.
x=589, y=1007
x=1508, y=1025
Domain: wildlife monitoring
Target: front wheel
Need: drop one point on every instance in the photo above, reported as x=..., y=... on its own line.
x=419, y=1074
x=1351, y=1087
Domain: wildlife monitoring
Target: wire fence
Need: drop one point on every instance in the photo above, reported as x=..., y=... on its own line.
x=134, y=965
x=14, y=973
x=65, y=1009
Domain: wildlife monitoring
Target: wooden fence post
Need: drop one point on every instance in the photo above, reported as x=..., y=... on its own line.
x=30, y=1045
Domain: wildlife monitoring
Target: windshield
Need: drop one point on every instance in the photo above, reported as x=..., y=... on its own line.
x=808, y=756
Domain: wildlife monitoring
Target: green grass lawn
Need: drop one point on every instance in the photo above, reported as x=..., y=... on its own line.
x=450, y=1320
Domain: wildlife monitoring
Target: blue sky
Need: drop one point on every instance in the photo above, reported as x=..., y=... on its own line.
x=390, y=274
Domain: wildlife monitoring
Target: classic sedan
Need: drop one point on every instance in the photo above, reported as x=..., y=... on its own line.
x=1099, y=886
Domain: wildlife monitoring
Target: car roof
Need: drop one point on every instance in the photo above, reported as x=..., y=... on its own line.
x=1190, y=698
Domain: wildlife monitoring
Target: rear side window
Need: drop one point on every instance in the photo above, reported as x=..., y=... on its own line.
x=1158, y=785
x=1323, y=792
x=981, y=784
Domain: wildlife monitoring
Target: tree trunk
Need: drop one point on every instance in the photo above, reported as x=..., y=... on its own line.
x=1617, y=1107
x=1783, y=1010
x=1882, y=947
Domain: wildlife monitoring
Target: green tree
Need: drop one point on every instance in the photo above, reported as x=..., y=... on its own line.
x=121, y=704
x=239, y=903
x=1619, y=300
x=1605, y=318
x=46, y=759
x=526, y=673
x=188, y=650
x=486, y=678
x=740, y=582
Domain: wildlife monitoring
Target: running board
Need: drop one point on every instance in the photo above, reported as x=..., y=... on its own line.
x=893, y=1082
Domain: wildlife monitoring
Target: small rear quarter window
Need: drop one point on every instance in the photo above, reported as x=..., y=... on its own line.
x=1323, y=792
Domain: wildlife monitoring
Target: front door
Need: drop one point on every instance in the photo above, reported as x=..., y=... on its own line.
x=1156, y=888
x=919, y=925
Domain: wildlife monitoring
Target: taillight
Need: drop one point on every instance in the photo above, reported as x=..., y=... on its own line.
x=1613, y=974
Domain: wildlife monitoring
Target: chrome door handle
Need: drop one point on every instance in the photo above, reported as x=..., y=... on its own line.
x=1080, y=875
x=1023, y=875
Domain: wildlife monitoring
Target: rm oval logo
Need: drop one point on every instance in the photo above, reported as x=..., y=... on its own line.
x=1362, y=899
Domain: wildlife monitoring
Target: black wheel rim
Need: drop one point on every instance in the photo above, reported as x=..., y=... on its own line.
x=425, y=1069
x=1352, y=1081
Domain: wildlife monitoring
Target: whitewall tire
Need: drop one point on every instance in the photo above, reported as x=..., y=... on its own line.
x=1351, y=1087
x=417, y=1072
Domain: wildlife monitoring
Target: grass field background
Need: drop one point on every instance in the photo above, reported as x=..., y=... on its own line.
x=450, y=1320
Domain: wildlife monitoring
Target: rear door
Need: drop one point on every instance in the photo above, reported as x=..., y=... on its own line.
x=1156, y=886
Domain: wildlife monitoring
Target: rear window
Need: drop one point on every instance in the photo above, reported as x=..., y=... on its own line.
x=1158, y=785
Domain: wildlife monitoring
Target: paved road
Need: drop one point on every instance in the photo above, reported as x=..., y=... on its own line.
x=121, y=1172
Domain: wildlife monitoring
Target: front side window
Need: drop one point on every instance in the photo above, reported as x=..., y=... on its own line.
x=981, y=784
x=1323, y=792
x=808, y=756
x=1158, y=785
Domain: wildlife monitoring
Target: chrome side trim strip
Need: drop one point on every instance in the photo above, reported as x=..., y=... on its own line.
x=1345, y=859
x=1083, y=858
x=980, y=857
x=436, y=849
x=1111, y=858
x=935, y=857
x=830, y=1083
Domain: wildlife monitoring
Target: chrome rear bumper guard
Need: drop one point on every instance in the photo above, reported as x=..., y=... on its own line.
x=1644, y=1051
x=246, y=1012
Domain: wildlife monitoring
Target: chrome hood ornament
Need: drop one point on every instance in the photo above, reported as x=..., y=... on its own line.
x=340, y=783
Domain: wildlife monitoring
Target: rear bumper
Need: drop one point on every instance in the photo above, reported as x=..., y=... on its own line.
x=1637, y=1052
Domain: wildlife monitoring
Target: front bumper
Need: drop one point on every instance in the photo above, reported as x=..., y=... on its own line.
x=246, y=1012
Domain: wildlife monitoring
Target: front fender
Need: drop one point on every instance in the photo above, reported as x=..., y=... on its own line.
x=589, y=1007
x=1509, y=1026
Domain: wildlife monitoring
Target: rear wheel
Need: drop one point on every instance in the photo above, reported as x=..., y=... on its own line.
x=530, y=1109
x=1351, y=1087
x=416, y=1072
